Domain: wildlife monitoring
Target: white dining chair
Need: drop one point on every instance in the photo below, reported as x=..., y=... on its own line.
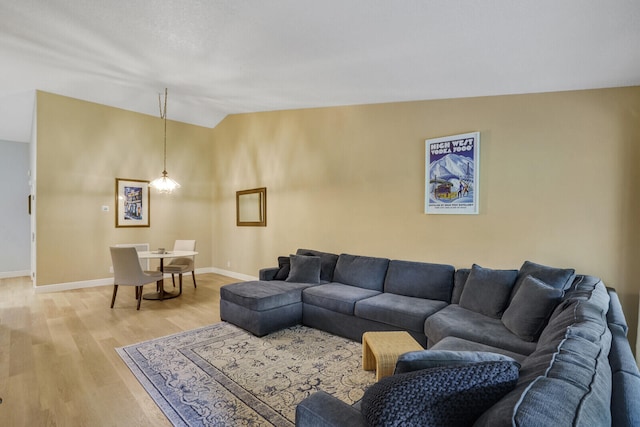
x=140, y=247
x=128, y=272
x=182, y=265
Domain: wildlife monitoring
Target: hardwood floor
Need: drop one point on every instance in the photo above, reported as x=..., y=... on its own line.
x=58, y=366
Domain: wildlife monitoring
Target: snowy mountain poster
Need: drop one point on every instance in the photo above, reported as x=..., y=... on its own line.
x=452, y=171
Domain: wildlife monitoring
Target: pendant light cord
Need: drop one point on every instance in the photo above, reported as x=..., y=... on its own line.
x=163, y=116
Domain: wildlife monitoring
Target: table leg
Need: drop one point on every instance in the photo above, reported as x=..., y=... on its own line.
x=161, y=294
x=368, y=358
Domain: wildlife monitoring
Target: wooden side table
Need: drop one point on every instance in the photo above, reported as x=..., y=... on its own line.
x=380, y=350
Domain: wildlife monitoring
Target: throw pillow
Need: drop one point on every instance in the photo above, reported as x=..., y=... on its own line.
x=559, y=278
x=304, y=269
x=530, y=308
x=450, y=395
x=327, y=262
x=426, y=359
x=487, y=291
x=284, y=266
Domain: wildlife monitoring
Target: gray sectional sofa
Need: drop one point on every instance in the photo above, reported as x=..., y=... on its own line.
x=566, y=334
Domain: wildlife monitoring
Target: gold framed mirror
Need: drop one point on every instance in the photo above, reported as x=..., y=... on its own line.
x=251, y=207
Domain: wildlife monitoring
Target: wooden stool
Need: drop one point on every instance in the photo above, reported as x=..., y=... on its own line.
x=380, y=350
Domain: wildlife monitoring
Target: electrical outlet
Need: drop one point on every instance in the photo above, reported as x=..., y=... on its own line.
x=111, y=269
x=228, y=263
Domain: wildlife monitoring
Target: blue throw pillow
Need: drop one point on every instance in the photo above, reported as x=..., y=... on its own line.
x=487, y=291
x=529, y=311
x=284, y=267
x=447, y=396
x=304, y=269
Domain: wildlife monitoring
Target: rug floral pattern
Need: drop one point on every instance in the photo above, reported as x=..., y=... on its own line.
x=221, y=375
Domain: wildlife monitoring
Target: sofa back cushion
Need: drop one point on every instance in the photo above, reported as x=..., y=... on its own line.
x=361, y=271
x=450, y=395
x=327, y=262
x=615, y=315
x=420, y=280
x=559, y=278
x=459, y=280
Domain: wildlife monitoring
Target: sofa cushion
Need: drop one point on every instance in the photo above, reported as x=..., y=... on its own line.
x=324, y=409
x=459, y=280
x=460, y=344
x=451, y=395
x=304, y=269
x=336, y=297
x=582, y=316
x=582, y=287
x=457, y=321
x=615, y=315
x=361, y=271
x=559, y=278
x=621, y=358
x=567, y=380
x=398, y=310
x=284, y=266
x=487, y=291
x=327, y=262
x=261, y=296
x=420, y=280
x=426, y=359
x=530, y=308
x=625, y=410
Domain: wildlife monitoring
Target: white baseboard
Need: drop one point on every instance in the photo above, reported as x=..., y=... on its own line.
x=233, y=274
x=8, y=274
x=109, y=280
x=73, y=285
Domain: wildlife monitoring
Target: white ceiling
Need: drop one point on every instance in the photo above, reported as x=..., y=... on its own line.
x=221, y=57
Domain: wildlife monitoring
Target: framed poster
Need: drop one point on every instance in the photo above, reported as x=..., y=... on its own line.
x=132, y=203
x=452, y=174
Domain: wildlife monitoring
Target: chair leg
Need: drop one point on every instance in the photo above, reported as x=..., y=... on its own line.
x=193, y=274
x=139, y=288
x=115, y=291
x=173, y=279
x=180, y=279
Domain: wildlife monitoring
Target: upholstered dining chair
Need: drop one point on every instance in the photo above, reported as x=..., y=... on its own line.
x=140, y=247
x=180, y=266
x=128, y=272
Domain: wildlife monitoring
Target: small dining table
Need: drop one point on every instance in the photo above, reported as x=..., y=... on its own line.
x=162, y=294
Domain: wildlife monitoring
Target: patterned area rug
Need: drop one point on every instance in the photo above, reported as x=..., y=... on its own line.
x=221, y=375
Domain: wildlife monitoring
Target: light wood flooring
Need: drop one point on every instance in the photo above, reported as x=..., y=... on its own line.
x=58, y=366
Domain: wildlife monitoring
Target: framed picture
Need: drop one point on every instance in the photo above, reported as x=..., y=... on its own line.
x=452, y=174
x=251, y=207
x=132, y=203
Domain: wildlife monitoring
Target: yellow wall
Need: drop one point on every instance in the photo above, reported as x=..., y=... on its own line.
x=558, y=180
x=557, y=184
x=82, y=147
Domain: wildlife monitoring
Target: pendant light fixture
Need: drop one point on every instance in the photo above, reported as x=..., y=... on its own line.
x=164, y=184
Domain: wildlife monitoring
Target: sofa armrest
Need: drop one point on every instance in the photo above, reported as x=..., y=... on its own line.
x=323, y=410
x=268, y=273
